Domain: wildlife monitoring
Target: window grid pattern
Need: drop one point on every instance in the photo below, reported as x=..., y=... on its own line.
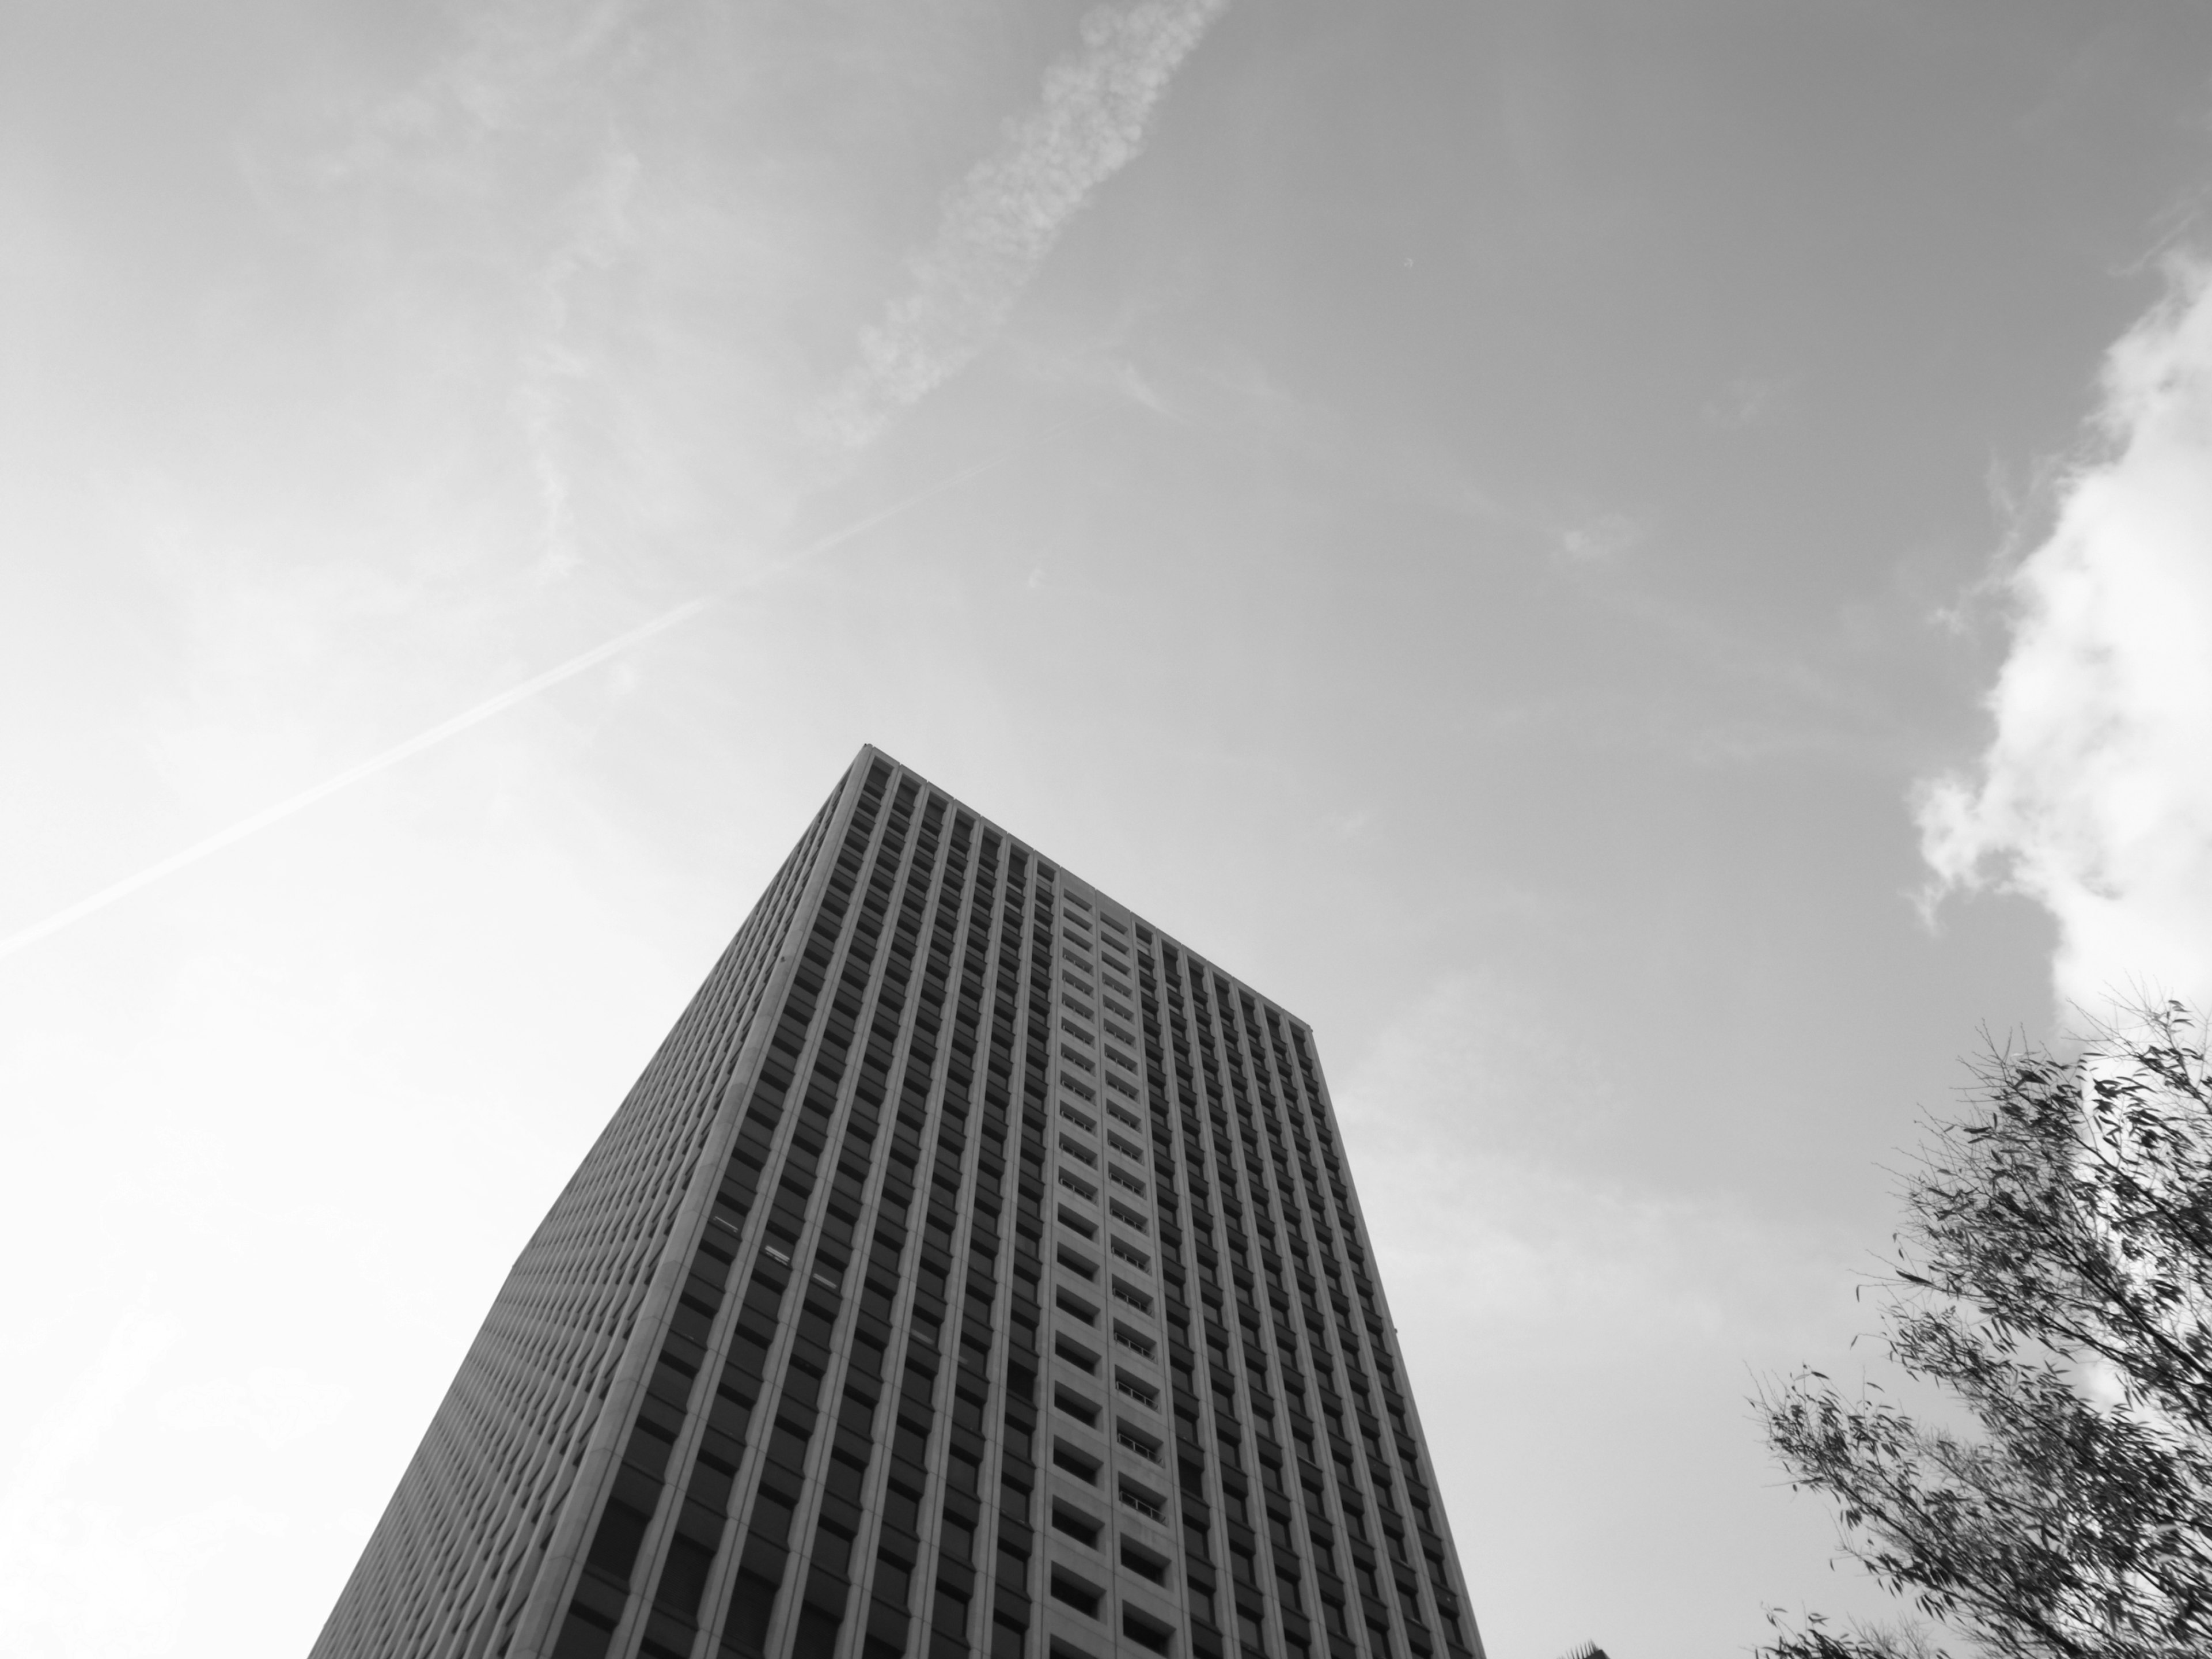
x=449, y=1565
x=1029, y=1313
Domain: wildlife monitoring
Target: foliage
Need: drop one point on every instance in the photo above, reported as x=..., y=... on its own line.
x=2054, y=1277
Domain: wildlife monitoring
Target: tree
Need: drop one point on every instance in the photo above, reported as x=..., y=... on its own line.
x=2054, y=1276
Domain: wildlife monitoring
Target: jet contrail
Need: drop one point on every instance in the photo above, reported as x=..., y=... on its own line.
x=391, y=757
x=482, y=711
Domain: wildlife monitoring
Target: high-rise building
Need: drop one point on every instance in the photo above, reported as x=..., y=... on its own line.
x=974, y=1270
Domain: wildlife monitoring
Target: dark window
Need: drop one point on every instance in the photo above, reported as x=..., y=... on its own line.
x=817, y=1634
x=1083, y=1530
x=1081, y=1597
x=745, y=1630
x=614, y=1549
x=1143, y=1630
x=685, y=1577
x=893, y=1579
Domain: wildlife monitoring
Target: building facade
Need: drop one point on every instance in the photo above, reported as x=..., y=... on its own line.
x=974, y=1270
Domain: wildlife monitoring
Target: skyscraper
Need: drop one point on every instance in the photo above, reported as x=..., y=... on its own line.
x=975, y=1269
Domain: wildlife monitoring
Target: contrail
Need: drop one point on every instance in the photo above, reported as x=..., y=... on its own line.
x=352, y=774
x=482, y=711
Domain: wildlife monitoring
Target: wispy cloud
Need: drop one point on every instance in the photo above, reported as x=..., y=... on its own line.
x=1599, y=540
x=1002, y=220
x=552, y=363
x=512, y=145
x=2093, y=796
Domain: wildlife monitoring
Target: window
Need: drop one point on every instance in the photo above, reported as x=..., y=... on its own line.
x=1076, y=1354
x=1144, y=1631
x=1076, y=1150
x=1075, y=1183
x=1075, y=1263
x=1134, y=1154
x=1135, y=1257
x=1145, y=1564
x=1140, y=1444
x=1134, y=1499
x=1125, y=1115
x=1130, y=1388
x=1074, y=1305
x=1125, y=1291
x=893, y=1579
x=1083, y=1467
x=1069, y=1219
x=1122, y=1213
x=1126, y=1338
x=1066, y=1588
x=1077, y=1118
x=1083, y=1411
x=1076, y=1525
x=1121, y=1178
x=959, y=1540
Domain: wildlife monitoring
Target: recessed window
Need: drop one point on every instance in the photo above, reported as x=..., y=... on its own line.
x=1074, y=1593
x=1075, y=1354
x=1143, y=1503
x=1126, y=1293
x=1083, y=1411
x=1083, y=1467
x=1136, y=1343
x=1130, y=1388
x=1145, y=1563
x=1069, y=1303
x=1084, y=1530
x=1146, y=1631
x=1143, y=1445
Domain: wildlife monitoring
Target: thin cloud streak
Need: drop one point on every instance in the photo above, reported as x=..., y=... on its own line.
x=2093, y=797
x=453, y=726
x=1002, y=221
x=353, y=775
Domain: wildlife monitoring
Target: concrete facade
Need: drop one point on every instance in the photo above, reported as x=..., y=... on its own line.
x=974, y=1270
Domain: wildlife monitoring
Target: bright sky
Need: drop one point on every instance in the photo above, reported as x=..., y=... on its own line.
x=1643, y=566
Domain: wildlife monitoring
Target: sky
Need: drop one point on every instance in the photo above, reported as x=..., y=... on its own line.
x=1642, y=567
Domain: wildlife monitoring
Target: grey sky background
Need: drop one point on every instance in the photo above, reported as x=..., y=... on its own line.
x=1644, y=567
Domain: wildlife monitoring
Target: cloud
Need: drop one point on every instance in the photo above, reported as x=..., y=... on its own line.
x=1747, y=400
x=1003, y=217
x=1599, y=540
x=552, y=363
x=2093, y=797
